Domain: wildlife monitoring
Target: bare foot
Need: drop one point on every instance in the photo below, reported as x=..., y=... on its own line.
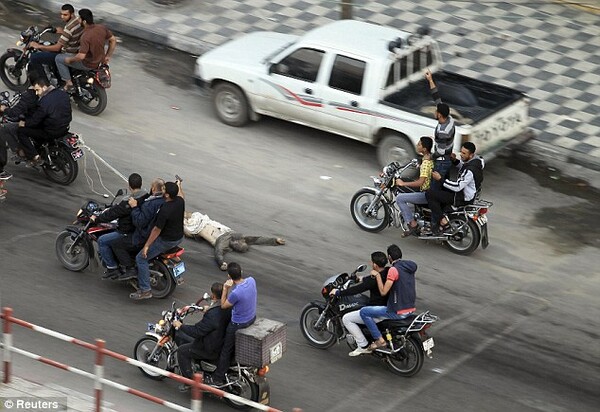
x=280, y=241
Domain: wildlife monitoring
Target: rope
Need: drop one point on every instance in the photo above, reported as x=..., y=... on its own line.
x=96, y=157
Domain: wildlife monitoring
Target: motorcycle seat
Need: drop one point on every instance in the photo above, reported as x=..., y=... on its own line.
x=173, y=252
x=396, y=323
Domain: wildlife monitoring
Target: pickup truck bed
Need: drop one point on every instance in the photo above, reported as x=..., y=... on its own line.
x=470, y=100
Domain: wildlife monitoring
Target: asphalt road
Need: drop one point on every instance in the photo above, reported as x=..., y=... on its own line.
x=518, y=328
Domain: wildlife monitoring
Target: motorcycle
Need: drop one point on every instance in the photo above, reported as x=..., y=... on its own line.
x=407, y=340
x=59, y=156
x=89, y=91
x=375, y=208
x=158, y=348
x=75, y=250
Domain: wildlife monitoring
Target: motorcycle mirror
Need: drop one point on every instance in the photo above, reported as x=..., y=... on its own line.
x=119, y=193
x=361, y=268
x=206, y=296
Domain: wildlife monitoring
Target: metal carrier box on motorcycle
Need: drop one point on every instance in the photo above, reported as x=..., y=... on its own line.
x=261, y=343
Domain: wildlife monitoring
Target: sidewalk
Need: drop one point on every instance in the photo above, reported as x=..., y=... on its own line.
x=550, y=51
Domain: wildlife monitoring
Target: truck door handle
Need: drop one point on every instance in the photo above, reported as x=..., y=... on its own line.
x=308, y=90
x=354, y=103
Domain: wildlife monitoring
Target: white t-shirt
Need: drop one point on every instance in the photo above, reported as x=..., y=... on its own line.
x=208, y=229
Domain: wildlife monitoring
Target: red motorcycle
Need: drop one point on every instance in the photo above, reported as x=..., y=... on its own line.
x=75, y=250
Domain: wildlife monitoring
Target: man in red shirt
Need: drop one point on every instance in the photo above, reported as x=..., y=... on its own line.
x=91, y=48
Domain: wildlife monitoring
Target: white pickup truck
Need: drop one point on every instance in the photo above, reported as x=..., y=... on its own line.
x=361, y=81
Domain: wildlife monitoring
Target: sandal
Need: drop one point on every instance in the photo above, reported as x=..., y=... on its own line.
x=377, y=345
x=412, y=231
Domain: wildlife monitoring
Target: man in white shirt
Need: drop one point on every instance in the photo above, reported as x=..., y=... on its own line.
x=222, y=238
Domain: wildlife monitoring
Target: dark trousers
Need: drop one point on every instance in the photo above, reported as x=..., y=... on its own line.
x=228, y=348
x=437, y=199
x=186, y=353
x=8, y=136
x=26, y=135
x=124, y=250
x=40, y=59
x=223, y=243
x=442, y=166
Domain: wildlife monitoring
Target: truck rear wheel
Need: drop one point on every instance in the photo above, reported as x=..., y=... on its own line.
x=395, y=147
x=230, y=104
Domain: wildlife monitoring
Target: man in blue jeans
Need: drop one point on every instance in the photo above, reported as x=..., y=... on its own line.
x=166, y=233
x=122, y=213
x=400, y=284
x=240, y=295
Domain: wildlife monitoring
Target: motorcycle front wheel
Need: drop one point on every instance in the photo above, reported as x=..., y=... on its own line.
x=92, y=100
x=75, y=260
x=408, y=361
x=161, y=281
x=467, y=236
x=14, y=77
x=322, y=336
x=63, y=168
x=376, y=219
x=243, y=388
x=142, y=350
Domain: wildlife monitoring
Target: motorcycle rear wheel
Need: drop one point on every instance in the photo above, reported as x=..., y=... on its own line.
x=377, y=220
x=409, y=360
x=14, y=79
x=319, y=338
x=64, y=168
x=79, y=257
x=467, y=239
x=245, y=389
x=161, y=281
x=93, y=100
x=143, y=348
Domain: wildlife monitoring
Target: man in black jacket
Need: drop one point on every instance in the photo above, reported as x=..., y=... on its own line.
x=208, y=334
x=352, y=319
x=122, y=213
x=24, y=108
x=51, y=119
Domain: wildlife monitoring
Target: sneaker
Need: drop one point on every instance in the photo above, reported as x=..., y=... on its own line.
x=4, y=175
x=140, y=295
x=111, y=273
x=360, y=351
x=129, y=274
x=183, y=387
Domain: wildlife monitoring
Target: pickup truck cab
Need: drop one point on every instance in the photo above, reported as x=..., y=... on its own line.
x=361, y=81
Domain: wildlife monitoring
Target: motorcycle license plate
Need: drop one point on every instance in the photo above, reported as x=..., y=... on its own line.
x=428, y=344
x=482, y=220
x=77, y=154
x=178, y=269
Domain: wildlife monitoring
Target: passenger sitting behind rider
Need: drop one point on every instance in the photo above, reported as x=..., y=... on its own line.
x=50, y=120
x=208, y=334
x=424, y=147
x=459, y=192
x=352, y=319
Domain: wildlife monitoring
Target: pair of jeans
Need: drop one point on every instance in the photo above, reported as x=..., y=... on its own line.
x=404, y=199
x=369, y=313
x=351, y=320
x=442, y=166
x=223, y=243
x=124, y=249
x=228, y=348
x=63, y=68
x=104, y=247
x=143, y=263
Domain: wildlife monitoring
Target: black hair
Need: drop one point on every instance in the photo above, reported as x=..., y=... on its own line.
x=394, y=252
x=217, y=289
x=171, y=189
x=379, y=258
x=68, y=7
x=135, y=181
x=442, y=108
x=87, y=16
x=32, y=76
x=234, y=270
x=470, y=146
x=427, y=143
x=40, y=80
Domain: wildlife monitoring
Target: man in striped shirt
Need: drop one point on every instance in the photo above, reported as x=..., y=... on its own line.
x=67, y=43
x=444, y=132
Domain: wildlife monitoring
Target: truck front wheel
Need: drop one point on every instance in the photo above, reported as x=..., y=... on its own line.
x=230, y=104
x=394, y=147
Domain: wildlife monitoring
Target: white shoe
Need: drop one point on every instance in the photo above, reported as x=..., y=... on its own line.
x=360, y=351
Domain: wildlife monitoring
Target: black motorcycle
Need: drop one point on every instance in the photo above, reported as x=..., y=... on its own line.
x=375, y=208
x=158, y=348
x=407, y=342
x=89, y=91
x=58, y=155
